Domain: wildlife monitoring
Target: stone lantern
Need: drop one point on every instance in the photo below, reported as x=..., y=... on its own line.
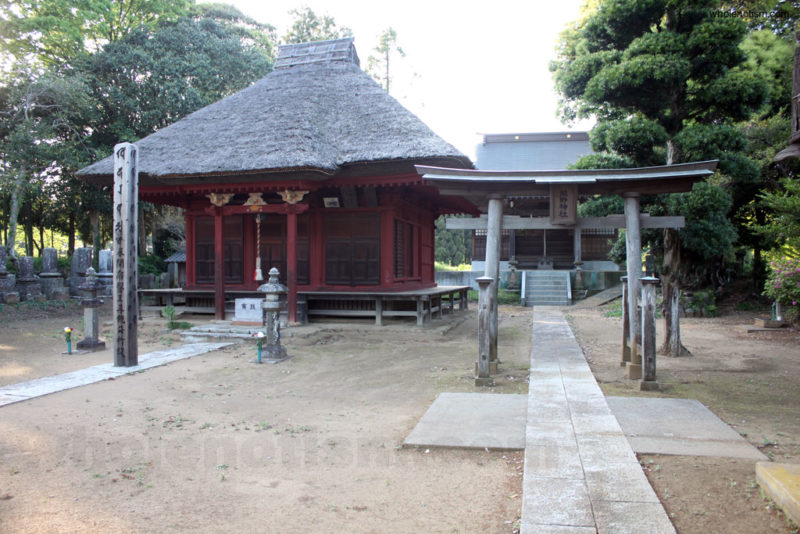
x=91, y=302
x=272, y=350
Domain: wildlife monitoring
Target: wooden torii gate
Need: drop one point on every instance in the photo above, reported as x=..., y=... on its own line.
x=488, y=190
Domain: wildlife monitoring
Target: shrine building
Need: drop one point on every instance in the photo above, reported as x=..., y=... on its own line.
x=310, y=169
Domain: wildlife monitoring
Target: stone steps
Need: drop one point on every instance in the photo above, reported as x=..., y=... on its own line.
x=547, y=288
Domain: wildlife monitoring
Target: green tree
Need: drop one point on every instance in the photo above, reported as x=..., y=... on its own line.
x=452, y=247
x=39, y=114
x=665, y=81
x=56, y=31
x=378, y=64
x=151, y=78
x=308, y=27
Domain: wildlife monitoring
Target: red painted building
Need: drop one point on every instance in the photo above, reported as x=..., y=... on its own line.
x=324, y=158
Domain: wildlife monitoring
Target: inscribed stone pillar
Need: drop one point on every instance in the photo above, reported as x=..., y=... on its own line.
x=493, y=240
x=649, y=382
x=126, y=192
x=633, y=256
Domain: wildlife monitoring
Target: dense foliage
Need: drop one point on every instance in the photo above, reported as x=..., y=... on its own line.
x=677, y=81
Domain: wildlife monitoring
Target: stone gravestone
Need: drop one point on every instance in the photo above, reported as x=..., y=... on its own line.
x=81, y=260
x=50, y=279
x=105, y=275
x=28, y=285
x=8, y=281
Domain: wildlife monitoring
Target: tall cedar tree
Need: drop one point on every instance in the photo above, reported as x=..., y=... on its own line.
x=664, y=80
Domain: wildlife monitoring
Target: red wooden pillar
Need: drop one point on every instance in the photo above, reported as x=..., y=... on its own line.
x=219, y=264
x=387, y=248
x=291, y=262
x=190, y=245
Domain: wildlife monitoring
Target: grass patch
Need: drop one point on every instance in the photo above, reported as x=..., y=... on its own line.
x=503, y=297
x=440, y=266
x=614, y=309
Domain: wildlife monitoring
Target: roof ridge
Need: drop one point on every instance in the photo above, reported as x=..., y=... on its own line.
x=293, y=54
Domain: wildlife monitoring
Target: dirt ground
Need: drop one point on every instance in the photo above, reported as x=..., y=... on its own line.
x=751, y=381
x=218, y=444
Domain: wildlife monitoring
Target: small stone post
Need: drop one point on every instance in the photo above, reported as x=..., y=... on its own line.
x=91, y=322
x=483, y=377
x=649, y=382
x=626, y=348
x=126, y=309
x=273, y=351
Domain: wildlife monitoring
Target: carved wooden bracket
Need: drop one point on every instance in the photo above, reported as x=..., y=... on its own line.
x=292, y=197
x=254, y=200
x=220, y=199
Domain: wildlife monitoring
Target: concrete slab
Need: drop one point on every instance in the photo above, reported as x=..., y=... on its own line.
x=472, y=420
x=782, y=483
x=52, y=384
x=679, y=427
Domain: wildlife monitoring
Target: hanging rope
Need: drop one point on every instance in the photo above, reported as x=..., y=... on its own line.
x=259, y=276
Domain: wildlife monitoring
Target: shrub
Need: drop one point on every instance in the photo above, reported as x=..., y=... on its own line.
x=783, y=283
x=152, y=264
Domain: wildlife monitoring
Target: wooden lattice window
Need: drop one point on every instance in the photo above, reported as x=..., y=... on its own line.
x=233, y=229
x=479, y=245
x=204, y=250
x=273, y=246
x=405, y=240
x=352, y=249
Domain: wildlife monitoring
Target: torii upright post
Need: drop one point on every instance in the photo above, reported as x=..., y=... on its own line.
x=126, y=192
x=493, y=241
x=633, y=256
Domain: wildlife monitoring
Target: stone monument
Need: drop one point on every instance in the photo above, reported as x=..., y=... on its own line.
x=91, y=321
x=8, y=281
x=81, y=260
x=105, y=275
x=50, y=279
x=28, y=285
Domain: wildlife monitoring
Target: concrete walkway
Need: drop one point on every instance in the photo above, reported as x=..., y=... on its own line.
x=581, y=475
x=51, y=384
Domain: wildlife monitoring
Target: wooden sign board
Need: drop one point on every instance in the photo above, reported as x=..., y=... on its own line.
x=564, y=204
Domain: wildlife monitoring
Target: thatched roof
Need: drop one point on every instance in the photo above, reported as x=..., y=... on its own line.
x=317, y=111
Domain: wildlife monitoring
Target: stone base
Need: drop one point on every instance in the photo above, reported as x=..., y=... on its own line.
x=769, y=323
x=271, y=360
x=52, y=285
x=492, y=368
x=29, y=290
x=91, y=345
x=649, y=385
x=484, y=382
x=12, y=297
x=634, y=371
